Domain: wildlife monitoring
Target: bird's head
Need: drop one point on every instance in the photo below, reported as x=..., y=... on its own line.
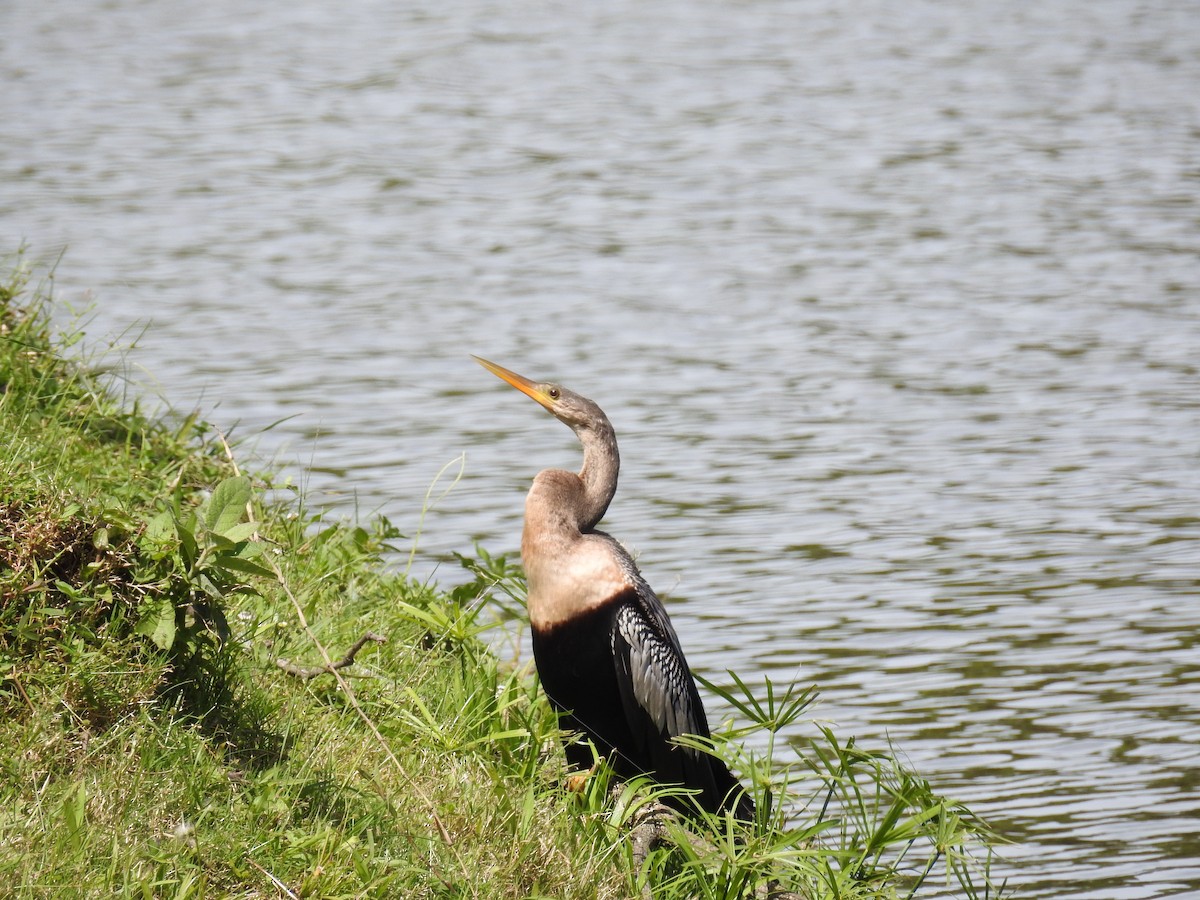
x=568, y=407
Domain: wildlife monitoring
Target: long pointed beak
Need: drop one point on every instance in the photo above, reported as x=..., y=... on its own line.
x=520, y=382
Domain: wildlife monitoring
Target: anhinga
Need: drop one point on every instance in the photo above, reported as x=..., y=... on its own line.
x=606, y=653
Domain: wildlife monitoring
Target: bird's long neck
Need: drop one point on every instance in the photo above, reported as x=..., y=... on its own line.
x=601, y=463
x=569, y=571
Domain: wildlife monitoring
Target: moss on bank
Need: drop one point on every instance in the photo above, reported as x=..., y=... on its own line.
x=152, y=746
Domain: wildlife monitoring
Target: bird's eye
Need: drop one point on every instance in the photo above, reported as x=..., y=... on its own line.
x=554, y=392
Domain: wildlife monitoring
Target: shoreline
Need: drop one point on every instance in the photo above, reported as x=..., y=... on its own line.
x=207, y=693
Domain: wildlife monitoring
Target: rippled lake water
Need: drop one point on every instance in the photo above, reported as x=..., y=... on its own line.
x=894, y=306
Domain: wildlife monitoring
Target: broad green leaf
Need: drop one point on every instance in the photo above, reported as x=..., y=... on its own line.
x=161, y=528
x=227, y=505
x=239, y=564
x=251, y=549
x=74, y=811
x=189, y=551
x=157, y=622
x=239, y=533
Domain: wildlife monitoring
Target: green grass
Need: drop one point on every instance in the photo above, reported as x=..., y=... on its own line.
x=152, y=746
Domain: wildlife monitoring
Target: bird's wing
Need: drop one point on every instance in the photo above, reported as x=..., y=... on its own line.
x=660, y=701
x=658, y=693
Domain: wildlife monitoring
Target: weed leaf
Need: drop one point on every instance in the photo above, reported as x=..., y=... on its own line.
x=227, y=505
x=245, y=566
x=158, y=622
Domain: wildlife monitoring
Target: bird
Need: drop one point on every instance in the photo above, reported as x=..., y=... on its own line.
x=606, y=653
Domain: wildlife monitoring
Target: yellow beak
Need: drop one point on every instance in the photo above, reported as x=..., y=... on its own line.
x=520, y=382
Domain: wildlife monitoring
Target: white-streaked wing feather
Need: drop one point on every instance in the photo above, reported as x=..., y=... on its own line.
x=658, y=673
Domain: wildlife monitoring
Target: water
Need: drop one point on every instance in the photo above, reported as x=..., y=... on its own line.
x=894, y=307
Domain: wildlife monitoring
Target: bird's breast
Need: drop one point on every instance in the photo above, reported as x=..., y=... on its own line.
x=568, y=578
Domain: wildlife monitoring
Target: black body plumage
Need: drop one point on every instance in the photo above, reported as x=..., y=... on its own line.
x=616, y=677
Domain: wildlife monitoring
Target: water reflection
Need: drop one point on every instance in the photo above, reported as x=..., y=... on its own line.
x=892, y=305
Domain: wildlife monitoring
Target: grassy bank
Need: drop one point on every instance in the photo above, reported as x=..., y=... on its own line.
x=207, y=694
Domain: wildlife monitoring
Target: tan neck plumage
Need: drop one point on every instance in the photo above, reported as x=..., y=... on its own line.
x=569, y=570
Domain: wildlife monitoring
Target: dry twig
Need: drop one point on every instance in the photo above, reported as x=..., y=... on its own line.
x=307, y=672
